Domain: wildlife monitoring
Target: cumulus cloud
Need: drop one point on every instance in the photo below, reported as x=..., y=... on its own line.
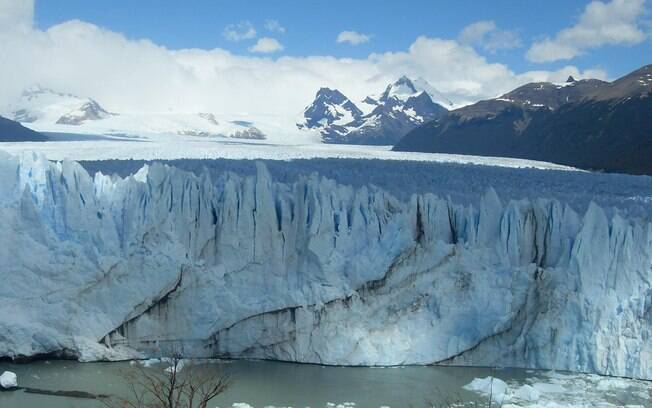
x=127, y=75
x=461, y=73
x=243, y=30
x=274, y=26
x=16, y=15
x=266, y=45
x=353, y=37
x=613, y=23
x=487, y=36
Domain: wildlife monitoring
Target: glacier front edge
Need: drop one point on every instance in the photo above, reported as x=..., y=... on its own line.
x=314, y=271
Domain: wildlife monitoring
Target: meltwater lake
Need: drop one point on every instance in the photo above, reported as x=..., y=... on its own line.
x=275, y=384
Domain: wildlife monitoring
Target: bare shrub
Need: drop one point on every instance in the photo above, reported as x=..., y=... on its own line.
x=182, y=385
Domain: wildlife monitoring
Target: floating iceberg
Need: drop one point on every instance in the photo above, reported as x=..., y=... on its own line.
x=527, y=392
x=8, y=380
x=315, y=271
x=492, y=387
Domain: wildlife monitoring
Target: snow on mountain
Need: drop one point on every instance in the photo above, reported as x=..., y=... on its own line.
x=205, y=125
x=405, y=88
x=439, y=98
x=550, y=95
x=332, y=113
x=90, y=110
x=635, y=85
x=383, y=119
x=316, y=271
x=50, y=111
x=331, y=118
x=38, y=104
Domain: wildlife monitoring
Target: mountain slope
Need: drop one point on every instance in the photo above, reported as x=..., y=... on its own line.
x=11, y=131
x=48, y=110
x=90, y=110
x=588, y=124
x=614, y=136
x=332, y=113
x=402, y=106
x=552, y=96
x=39, y=104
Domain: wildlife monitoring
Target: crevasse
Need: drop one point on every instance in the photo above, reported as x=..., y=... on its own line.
x=244, y=267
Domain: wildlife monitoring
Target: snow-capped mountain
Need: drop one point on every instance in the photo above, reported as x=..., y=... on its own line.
x=47, y=110
x=332, y=113
x=90, y=110
x=402, y=106
x=39, y=104
x=405, y=88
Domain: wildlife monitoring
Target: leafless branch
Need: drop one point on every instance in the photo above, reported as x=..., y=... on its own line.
x=182, y=385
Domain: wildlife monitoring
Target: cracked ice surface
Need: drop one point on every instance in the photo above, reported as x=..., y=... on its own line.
x=315, y=271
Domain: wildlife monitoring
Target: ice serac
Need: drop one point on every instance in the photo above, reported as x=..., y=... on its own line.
x=314, y=271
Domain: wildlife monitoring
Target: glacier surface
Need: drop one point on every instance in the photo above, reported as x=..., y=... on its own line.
x=107, y=267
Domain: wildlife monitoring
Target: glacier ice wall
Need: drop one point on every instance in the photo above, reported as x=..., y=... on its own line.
x=314, y=271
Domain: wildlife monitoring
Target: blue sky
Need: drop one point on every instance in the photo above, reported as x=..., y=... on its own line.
x=311, y=27
x=220, y=55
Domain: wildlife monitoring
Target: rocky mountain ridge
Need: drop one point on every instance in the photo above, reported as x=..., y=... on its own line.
x=589, y=124
x=402, y=106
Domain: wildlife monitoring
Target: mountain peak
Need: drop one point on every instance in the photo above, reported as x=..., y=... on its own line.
x=645, y=69
x=90, y=110
x=407, y=82
x=548, y=95
x=35, y=91
x=330, y=95
x=636, y=84
x=330, y=108
x=405, y=88
x=401, y=89
x=39, y=103
x=325, y=91
x=403, y=105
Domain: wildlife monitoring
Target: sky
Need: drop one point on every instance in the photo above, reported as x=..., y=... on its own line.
x=238, y=56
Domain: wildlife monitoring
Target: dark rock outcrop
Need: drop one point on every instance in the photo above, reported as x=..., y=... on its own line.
x=11, y=131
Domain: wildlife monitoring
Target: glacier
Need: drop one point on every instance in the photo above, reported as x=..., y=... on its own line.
x=244, y=266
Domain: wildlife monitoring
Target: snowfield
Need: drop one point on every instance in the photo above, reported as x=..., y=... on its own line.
x=46, y=110
x=172, y=147
x=308, y=269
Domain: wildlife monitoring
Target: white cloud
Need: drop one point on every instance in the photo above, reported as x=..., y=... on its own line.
x=244, y=30
x=127, y=75
x=266, y=45
x=475, y=33
x=16, y=15
x=460, y=73
x=486, y=35
x=353, y=37
x=274, y=26
x=613, y=23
